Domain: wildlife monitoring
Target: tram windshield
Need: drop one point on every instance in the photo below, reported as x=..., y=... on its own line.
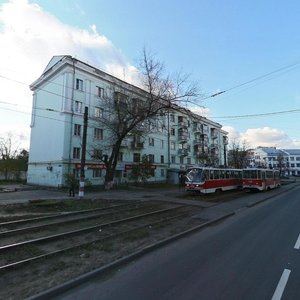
x=251, y=174
x=194, y=175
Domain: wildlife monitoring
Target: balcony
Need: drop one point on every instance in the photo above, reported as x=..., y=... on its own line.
x=197, y=128
x=225, y=140
x=124, y=144
x=202, y=141
x=183, y=124
x=183, y=152
x=213, y=133
x=137, y=145
x=182, y=137
x=200, y=154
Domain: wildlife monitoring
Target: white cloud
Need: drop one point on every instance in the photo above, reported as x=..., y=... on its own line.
x=265, y=136
x=233, y=134
x=202, y=111
x=31, y=37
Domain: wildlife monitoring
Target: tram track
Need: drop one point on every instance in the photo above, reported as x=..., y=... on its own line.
x=87, y=233
x=83, y=244
x=71, y=243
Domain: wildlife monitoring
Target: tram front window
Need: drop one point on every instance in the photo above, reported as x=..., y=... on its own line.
x=194, y=175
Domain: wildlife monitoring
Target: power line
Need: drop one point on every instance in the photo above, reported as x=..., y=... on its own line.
x=260, y=115
x=285, y=68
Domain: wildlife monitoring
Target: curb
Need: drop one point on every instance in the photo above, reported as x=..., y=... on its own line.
x=55, y=291
x=269, y=197
x=58, y=290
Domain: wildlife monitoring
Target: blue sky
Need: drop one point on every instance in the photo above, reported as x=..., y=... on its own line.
x=221, y=44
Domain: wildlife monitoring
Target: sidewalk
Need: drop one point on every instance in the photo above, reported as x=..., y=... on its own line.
x=212, y=208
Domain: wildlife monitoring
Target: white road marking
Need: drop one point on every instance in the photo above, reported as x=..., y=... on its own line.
x=281, y=285
x=297, y=245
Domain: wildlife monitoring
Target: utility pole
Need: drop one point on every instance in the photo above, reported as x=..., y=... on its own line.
x=168, y=127
x=83, y=152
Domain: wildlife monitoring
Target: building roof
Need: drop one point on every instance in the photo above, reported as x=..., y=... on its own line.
x=271, y=151
x=292, y=151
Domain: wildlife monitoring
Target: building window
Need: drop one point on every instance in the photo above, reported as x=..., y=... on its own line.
x=97, y=153
x=151, y=142
x=97, y=173
x=172, y=132
x=78, y=107
x=162, y=172
x=172, y=145
x=292, y=158
x=120, y=156
x=100, y=91
x=162, y=142
x=98, y=112
x=76, y=152
x=172, y=118
x=136, y=157
x=173, y=159
x=79, y=84
x=76, y=173
x=77, y=129
x=162, y=159
x=98, y=133
x=189, y=160
x=151, y=158
x=181, y=159
x=297, y=158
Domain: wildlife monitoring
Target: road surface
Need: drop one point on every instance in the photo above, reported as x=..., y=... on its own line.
x=253, y=255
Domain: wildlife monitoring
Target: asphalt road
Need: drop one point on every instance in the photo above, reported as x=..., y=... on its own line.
x=252, y=255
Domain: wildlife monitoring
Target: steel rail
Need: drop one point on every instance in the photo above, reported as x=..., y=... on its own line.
x=61, y=251
x=78, y=231
x=62, y=214
x=80, y=218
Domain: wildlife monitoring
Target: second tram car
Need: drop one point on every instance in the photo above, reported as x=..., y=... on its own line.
x=209, y=180
x=260, y=179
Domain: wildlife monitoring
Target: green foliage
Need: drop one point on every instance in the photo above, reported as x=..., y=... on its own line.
x=71, y=180
x=142, y=171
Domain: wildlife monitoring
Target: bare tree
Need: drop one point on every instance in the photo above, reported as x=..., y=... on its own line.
x=281, y=163
x=238, y=155
x=128, y=111
x=11, y=158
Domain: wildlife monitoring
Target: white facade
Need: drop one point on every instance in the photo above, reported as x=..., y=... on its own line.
x=288, y=160
x=293, y=161
x=59, y=96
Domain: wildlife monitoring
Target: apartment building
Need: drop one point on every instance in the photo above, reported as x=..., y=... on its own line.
x=293, y=161
x=176, y=139
x=287, y=160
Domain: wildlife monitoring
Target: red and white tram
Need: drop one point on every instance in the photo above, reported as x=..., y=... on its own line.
x=260, y=179
x=209, y=180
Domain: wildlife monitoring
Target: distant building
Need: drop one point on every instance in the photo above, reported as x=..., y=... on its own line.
x=286, y=160
x=293, y=161
x=177, y=140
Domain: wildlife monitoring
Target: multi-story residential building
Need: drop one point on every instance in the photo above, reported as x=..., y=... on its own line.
x=176, y=140
x=293, y=161
x=285, y=160
x=267, y=157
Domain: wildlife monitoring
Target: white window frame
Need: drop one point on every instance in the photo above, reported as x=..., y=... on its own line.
x=79, y=84
x=100, y=91
x=98, y=112
x=77, y=129
x=78, y=106
x=98, y=133
x=76, y=152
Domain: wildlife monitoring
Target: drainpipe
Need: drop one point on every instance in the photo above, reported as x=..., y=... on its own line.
x=72, y=114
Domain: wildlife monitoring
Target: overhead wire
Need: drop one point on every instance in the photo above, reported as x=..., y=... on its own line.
x=287, y=68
